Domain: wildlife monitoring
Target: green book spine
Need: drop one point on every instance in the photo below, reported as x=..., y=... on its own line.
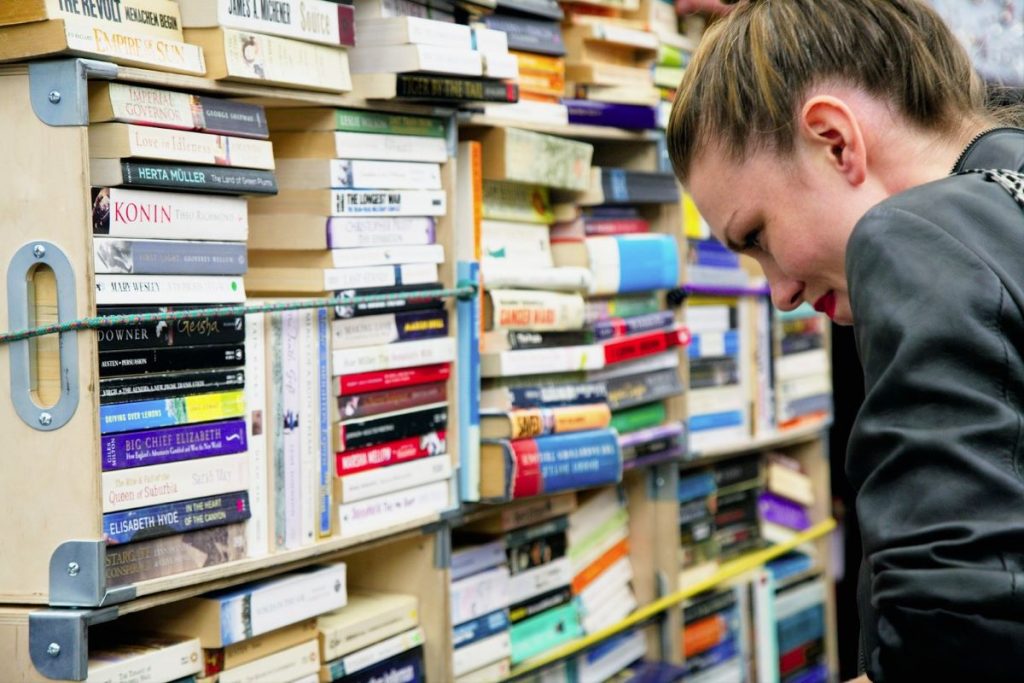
x=623, y=306
x=671, y=56
x=358, y=121
x=544, y=632
x=641, y=417
x=599, y=535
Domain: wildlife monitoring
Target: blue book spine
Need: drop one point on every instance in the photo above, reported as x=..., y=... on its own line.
x=326, y=479
x=579, y=460
x=816, y=674
x=809, y=404
x=703, y=256
x=595, y=113
x=468, y=370
x=607, y=329
x=719, y=654
x=558, y=395
x=730, y=418
x=800, y=628
x=697, y=349
x=647, y=262
x=406, y=667
x=480, y=628
x=155, y=521
x=140, y=415
x=474, y=560
x=696, y=486
x=789, y=565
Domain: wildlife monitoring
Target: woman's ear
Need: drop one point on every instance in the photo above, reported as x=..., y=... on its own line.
x=830, y=131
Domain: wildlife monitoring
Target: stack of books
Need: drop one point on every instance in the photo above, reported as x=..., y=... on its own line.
x=609, y=68
x=803, y=370
x=290, y=43
x=602, y=572
x=785, y=504
x=800, y=632
x=178, y=480
x=711, y=263
x=739, y=484
x=480, y=579
x=142, y=33
x=262, y=631
x=438, y=10
x=668, y=72
x=349, y=223
x=714, y=640
x=410, y=57
x=698, y=552
x=375, y=637
x=116, y=656
x=614, y=659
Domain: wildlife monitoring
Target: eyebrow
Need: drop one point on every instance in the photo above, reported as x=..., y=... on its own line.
x=733, y=246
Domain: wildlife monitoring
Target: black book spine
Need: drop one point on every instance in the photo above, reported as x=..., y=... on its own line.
x=708, y=605
x=224, y=117
x=429, y=87
x=169, y=385
x=537, y=552
x=628, y=392
x=167, y=333
x=529, y=35
x=737, y=471
x=208, y=179
x=400, y=304
x=392, y=428
x=528, y=608
x=522, y=339
x=145, y=361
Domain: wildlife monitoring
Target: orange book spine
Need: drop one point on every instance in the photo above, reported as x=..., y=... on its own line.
x=533, y=422
x=539, y=63
x=704, y=634
x=599, y=566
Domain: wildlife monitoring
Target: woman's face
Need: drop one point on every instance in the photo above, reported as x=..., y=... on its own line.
x=793, y=215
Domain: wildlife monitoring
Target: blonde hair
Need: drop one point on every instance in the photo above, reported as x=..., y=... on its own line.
x=752, y=69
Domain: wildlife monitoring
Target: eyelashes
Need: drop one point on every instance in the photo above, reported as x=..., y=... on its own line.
x=752, y=240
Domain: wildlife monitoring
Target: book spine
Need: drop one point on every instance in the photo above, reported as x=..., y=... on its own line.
x=161, y=144
x=772, y=508
x=633, y=263
x=294, y=420
x=391, y=400
x=314, y=21
x=530, y=608
x=123, y=45
x=118, y=363
x=363, y=121
x=385, y=480
x=344, y=233
x=144, y=560
x=173, y=482
x=153, y=257
x=620, y=327
x=256, y=531
x=631, y=391
x=714, y=344
x=147, y=662
x=389, y=328
x=477, y=655
x=540, y=421
x=544, y=631
x=275, y=428
x=393, y=427
x=393, y=509
x=358, y=257
x=642, y=345
x=166, y=109
x=531, y=533
x=206, y=179
x=593, y=113
x=154, y=18
x=480, y=594
x=140, y=213
x=468, y=390
x=388, y=203
x=468, y=561
x=199, y=331
x=168, y=289
x=339, y=639
x=290, y=664
x=324, y=478
x=393, y=356
x=343, y=279
x=169, y=385
x=431, y=87
x=539, y=580
x=175, y=518
x=640, y=417
x=615, y=226
x=309, y=431
x=407, y=667
x=361, y=383
x=388, y=147
x=161, y=446
x=171, y=412
x=385, y=454
x=535, y=310
x=379, y=652
x=550, y=396
x=480, y=628
x=419, y=298
x=515, y=202
x=529, y=35
x=564, y=461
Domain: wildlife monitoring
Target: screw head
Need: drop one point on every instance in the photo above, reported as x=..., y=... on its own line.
x=73, y=569
x=53, y=649
x=54, y=96
x=45, y=419
x=659, y=482
x=39, y=251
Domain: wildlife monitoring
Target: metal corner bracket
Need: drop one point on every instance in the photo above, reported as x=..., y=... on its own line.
x=78, y=576
x=59, y=88
x=58, y=641
x=443, y=547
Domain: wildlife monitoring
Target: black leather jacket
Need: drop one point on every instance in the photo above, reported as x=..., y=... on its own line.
x=936, y=277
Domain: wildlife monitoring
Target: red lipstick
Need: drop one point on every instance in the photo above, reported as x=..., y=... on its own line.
x=826, y=304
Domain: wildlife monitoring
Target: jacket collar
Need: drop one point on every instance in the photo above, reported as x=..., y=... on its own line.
x=998, y=148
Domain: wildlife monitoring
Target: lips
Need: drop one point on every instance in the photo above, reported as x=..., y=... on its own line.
x=826, y=304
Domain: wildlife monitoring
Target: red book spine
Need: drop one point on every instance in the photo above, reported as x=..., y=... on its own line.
x=347, y=25
x=382, y=455
x=392, y=379
x=615, y=226
x=640, y=345
x=525, y=478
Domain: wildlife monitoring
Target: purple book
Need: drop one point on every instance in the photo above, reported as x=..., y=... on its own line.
x=772, y=508
x=594, y=113
x=645, y=435
x=157, y=446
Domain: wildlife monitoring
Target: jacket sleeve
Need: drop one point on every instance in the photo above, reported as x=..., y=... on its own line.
x=935, y=454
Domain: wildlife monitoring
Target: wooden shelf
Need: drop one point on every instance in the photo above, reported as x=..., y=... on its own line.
x=727, y=571
x=782, y=439
x=577, y=131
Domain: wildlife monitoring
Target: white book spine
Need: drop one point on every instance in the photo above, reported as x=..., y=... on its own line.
x=325, y=463
x=605, y=264
x=801, y=387
x=142, y=290
x=292, y=434
x=402, y=30
x=617, y=608
x=566, y=279
x=199, y=148
x=375, y=514
x=508, y=244
x=397, y=255
x=711, y=344
x=371, y=330
x=705, y=439
x=405, y=58
x=315, y=21
x=389, y=203
x=479, y=594
x=384, y=147
x=496, y=671
x=372, y=231
x=801, y=364
x=145, y=18
x=703, y=319
x=538, y=580
x=309, y=431
x=178, y=660
x=621, y=35
x=336, y=279
x=611, y=580
x=537, y=311
x=113, y=43
x=581, y=562
x=290, y=664
x=385, y=649
x=256, y=530
x=489, y=42
x=794, y=601
x=766, y=651
x=286, y=61
x=481, y=653
x=715, y=400
x=393, y=356
x=382, y=480
x=542, y=361
x=169, y=215
x=532, y=112
x=384, y=175
x=501, y=66
x=172, y=482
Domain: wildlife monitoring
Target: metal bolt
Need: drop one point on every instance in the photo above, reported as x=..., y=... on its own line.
x=53, y=649
x=54, y=96
x=39, y=251
x=659, y=482
x=45, y=419
x=73, y=568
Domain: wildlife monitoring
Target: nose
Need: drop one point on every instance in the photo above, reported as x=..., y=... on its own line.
x=786, y=294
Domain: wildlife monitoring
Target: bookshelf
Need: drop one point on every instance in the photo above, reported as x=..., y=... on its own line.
x=60, y=558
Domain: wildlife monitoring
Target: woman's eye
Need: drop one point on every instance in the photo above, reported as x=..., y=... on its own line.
x=753, y=239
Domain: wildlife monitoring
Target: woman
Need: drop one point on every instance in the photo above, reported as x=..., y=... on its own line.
x=825, y=138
